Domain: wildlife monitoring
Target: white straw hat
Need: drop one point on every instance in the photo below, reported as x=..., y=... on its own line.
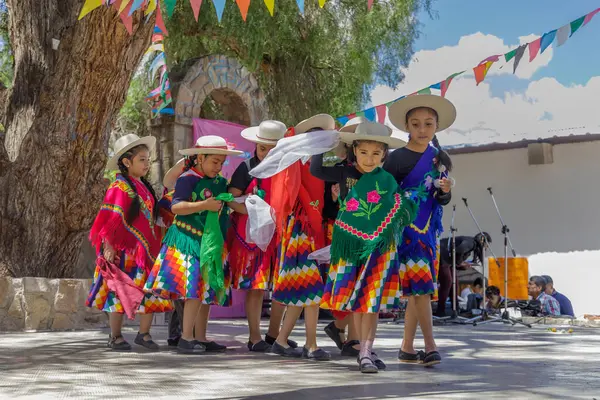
x=210, y=144
x=443, y=107
x=323, y=121
x=268, y=132
x=373, y=131
x=126, y=143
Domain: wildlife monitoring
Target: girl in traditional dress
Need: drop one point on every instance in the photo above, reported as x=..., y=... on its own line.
x=364, y=273
x=190, y=263
x=297, y=196
x=125, y=233
x=251, y=268
x=421, y=169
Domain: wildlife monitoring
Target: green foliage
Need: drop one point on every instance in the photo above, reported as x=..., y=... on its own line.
x=6, y=56
x=324, y=61
x=135, y=111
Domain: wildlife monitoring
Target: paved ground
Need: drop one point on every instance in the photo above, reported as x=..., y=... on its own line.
x=488, y=362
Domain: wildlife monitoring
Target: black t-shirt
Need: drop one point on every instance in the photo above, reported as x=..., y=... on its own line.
x=464, y=248
x=345, y=174
x=400, y=162
x=241, y=178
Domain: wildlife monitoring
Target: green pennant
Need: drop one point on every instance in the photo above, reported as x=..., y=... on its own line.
x=427, y=90
x=170, y=4
x=576, y=25
x=360, y=114
x=509, y=56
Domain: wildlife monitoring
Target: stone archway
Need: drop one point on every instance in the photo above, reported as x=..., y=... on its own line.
x=229, y=84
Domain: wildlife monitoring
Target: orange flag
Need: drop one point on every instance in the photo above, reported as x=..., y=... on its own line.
x=481, y=71
x=243, y=5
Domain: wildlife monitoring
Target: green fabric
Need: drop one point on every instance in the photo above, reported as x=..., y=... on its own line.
x=371, y=217
x=211, y=249
x=508, y=56
x=576, y=25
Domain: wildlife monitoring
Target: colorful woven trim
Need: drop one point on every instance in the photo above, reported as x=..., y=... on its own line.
x=138, y=235
x=388, y=219
x=188, y=228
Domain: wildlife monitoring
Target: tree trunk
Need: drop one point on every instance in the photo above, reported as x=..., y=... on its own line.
x=57, y=117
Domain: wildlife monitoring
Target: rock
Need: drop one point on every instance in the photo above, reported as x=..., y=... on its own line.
x=66, y=296
x=5, y=291
x=37, y=312
x=61, y=322
x=36, y=285
x=16, y=308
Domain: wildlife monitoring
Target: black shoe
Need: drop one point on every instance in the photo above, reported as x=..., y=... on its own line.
x=411, y=358
x=334, y=334
x=348, y=350
x=259, y=347
x=278, y=349
x=270, y=340
x=121, y=346
x=317, y=355
x=432, y=358
x=173, y=342
x=367, y=366
x=213, y=347
x=149, y=344
x=378, y=363
x=190, y=347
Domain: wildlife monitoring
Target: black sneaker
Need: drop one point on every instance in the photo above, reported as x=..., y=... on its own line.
x=411, y=358
x=378, y=363
x=270, y=340
x=432, y=358
x=174, y=341
x=334, y=334
x=259, y=347
x=278, y=349
x=348, y=350
x=148, y=344
x=316, y=355
x=213, y=347
x=190, y=347
x=121, y=346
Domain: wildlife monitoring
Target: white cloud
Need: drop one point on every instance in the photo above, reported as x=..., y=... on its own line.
x=546, y=108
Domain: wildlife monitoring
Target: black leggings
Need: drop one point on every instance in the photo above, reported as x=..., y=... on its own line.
x=444, y=288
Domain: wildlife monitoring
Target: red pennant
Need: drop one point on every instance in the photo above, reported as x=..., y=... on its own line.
x=127, y=19
x=534, y=48
x=481, y=71
x=243, y=5
x=381, y=111
x=157, y=37
x=589, y=17
x=160, y=22
x=196, y=4
x=369, y=5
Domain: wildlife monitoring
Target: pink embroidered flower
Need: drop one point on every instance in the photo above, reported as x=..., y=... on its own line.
x=207, y=193
x=373, y=197
x=352, y=205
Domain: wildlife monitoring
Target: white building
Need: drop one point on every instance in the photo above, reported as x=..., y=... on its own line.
x=548, y=192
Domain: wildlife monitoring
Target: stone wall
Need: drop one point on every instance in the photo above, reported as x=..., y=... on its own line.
x=46, y=304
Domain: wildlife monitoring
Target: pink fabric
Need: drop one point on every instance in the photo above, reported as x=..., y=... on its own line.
x=232, y=134
x=129, y=294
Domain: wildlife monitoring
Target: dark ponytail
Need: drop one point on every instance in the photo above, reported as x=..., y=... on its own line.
x=190, y=161
x=443, y=156
x=134, y=209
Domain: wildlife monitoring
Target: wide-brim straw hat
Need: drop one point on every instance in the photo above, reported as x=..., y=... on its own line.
x=322, y=121
x=443, y=107
x=268, y=132
x=211, y=144
x=172, y=174
x=372, y=131
x=126, y=143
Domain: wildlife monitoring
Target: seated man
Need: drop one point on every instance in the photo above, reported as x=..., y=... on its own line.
x=536, y=289
x=566, y=308
x=473, y=294
x=495, y=301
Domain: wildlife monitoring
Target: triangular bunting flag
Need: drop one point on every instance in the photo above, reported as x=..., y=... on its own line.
x=196, y=4
x=518, y=56
x=446, y=84
x=127, y=18
x=155, y=47
x=562, y=35
x=437, y=86
x=534, y=48
x=300, y=6
x=481, y=71
x=219, y=7
x=426, y=90
x=343, y=120
x=243, y=5
x=157, y=37
x=135, y=6
x=369, y=5
x=509, y=56
x=576, y=24
x=160, y=22
x=491, y=58
x=370, y=114
x=270, y=6
x=547, y=40
x=322, y=3
x=151, y=8
x=170, y=5
x=124, y=4
x=589, y=17
x=89, y=6
x=359, y=114
x=381, y=113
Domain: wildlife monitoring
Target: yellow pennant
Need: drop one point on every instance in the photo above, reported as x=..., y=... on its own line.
x=89, y=6
x=155, y=47
x=151, y=7
x=124, y=4
x=322, y=3
x=271, y=6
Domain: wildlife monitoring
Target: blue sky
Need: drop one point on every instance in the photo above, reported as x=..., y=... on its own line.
x=556, y=92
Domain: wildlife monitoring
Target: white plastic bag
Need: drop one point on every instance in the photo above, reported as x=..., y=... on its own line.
x=321, y=256
x=261, y=222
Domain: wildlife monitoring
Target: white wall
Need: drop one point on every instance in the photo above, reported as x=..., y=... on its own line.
x=551, y=208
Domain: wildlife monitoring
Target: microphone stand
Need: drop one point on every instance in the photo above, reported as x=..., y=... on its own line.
x=505, y=318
